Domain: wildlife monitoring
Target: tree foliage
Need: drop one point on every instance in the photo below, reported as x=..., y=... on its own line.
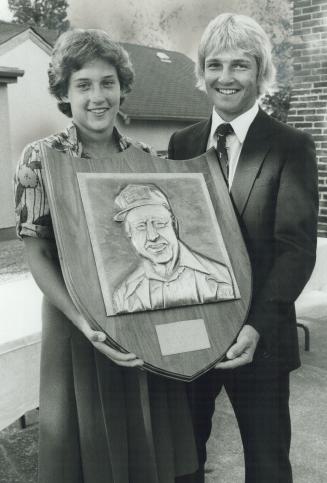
x=275, y=16
x=277, y=104
x=41, y=13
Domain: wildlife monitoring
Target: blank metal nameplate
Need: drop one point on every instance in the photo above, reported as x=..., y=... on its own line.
x=184, y=336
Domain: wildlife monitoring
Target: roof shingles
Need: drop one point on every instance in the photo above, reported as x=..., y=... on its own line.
x=163, y=90
x=9, y=30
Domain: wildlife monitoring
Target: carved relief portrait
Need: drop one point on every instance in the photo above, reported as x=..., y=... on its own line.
x=156, y=241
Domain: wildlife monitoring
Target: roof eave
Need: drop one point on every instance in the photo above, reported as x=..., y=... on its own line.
x=21, y=36
x=8, y=75
x=156, y=117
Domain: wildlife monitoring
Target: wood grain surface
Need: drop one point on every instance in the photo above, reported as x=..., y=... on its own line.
x=136, y=332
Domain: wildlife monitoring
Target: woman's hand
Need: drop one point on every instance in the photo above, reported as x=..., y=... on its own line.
x=97, y=339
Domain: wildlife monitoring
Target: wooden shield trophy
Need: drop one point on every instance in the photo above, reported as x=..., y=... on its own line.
x=152, y=254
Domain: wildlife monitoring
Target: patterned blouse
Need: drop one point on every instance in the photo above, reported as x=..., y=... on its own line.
x=32, y=209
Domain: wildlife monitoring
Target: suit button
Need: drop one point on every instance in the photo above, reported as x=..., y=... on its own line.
x=266, y=354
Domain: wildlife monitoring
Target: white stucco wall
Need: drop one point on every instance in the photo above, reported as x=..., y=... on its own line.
x=154, y=133
x=33, y=112
x=6, y=197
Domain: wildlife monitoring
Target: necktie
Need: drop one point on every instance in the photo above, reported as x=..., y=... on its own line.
x=222, y=132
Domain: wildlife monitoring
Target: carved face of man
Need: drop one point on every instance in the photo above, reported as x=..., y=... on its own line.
x=152, y=233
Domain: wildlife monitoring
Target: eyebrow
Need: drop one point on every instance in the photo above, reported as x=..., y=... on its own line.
x=78, y=79
x=245, y=60
x=154, y=218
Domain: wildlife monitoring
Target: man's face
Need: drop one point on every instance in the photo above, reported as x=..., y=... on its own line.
x=231, y=82
x=152, y=233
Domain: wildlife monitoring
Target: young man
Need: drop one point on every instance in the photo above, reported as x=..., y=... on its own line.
x=271, y=172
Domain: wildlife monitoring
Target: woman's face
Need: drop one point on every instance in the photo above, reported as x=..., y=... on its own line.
x=94, y=95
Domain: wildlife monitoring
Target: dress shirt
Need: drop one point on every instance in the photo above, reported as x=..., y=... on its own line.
x=234, y=142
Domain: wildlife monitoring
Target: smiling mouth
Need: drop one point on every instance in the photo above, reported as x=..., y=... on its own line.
x=157, y=248
x=99, y=110
x=227, y=92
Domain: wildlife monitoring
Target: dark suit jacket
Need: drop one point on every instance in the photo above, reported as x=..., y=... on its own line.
x=275, y=196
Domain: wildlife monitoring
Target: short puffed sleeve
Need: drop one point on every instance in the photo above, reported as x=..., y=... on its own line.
x=32, y=208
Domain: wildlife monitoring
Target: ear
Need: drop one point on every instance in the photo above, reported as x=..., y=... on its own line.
x=127, y=229
x=123, y=94
x=175, y=225
x=64, y=99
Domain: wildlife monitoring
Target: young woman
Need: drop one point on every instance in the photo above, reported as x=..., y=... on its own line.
x=92, y=406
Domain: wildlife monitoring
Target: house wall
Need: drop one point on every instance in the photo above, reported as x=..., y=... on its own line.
x=7, y=201
x=154, y=133
x=33, y=111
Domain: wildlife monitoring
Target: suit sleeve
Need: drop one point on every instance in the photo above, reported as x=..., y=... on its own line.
x=171, y=151
x=295, y=234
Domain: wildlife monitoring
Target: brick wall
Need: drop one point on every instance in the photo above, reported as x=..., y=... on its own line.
x=309, y=95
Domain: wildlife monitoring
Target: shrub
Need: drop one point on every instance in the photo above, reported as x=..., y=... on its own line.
x=277, y=103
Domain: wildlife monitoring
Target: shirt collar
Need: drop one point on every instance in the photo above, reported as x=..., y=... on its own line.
x=70, y=140
x=240, y=124
x=188, y=260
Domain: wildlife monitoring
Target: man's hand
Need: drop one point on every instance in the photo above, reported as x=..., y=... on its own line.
x=242, y=351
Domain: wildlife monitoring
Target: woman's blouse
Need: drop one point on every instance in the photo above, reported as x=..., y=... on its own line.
x=32, y=208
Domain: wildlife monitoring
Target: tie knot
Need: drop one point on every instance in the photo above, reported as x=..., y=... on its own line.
x=224, y=129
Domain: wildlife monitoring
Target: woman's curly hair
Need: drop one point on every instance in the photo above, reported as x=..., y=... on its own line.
x=75, y=48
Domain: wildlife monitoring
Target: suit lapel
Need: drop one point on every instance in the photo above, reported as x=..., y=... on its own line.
x=198, y=142
x=255, y=148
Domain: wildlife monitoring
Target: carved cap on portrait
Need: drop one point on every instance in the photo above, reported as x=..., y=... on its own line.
x=136, y=195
